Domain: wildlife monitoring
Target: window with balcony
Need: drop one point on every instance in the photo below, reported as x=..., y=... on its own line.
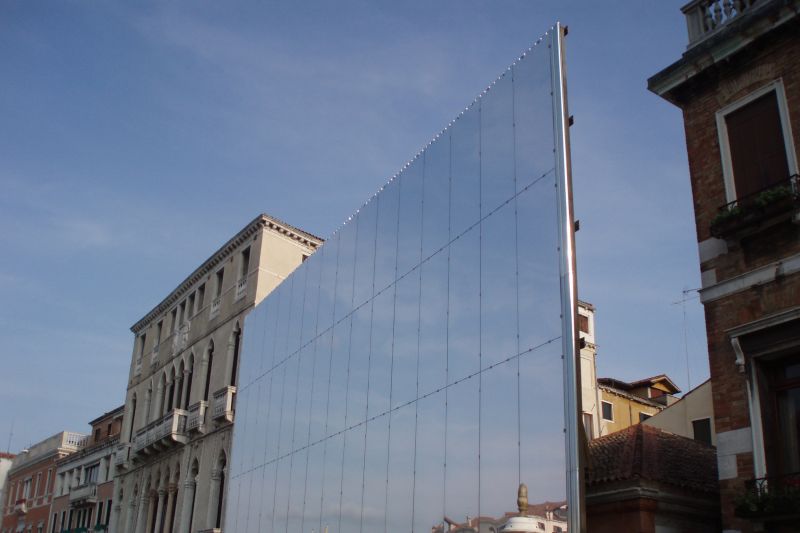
x=90, y=476
x=218, y=286
x=244, y=263
x=758, y=162
x=757, y=151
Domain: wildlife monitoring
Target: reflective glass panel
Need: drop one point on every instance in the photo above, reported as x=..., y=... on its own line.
x=408, y=375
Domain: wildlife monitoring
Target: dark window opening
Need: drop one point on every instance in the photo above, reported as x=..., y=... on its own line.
x=779, y=387
x=583, y=323
x=608, y=411
x=701, y=429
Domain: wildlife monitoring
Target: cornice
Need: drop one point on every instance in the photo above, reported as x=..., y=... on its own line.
x=262, y=221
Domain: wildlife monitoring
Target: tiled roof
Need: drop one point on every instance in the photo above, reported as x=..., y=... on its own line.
x=648, y=453
x=6, y=455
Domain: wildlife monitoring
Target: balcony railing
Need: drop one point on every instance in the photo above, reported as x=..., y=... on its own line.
x=197, y=417
x=223, y=403
x=241, y=288
x=154, y=355
x=215, y=305
x=761, y=209
x=181, y=338
x=84, y=493
x=165, y=431
x=777, y=498
x=121, y=455
x=137, y=367
x=705, y=17
x=21, y=506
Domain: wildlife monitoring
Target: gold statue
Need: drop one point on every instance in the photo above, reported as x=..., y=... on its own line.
x=522, y=498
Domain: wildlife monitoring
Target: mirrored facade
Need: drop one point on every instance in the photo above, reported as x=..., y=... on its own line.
x=410, y=371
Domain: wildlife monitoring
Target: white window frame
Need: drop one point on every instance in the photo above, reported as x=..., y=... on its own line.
x=601, y=411
x=722, y=132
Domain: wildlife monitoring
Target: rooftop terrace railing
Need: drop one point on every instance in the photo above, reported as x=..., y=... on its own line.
x=706, y=17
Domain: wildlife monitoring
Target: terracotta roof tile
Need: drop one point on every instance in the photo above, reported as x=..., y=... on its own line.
x=646, y=452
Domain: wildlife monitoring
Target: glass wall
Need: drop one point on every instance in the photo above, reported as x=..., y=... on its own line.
x=410, y=371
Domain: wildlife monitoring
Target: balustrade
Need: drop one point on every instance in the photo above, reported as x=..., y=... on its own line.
x=704, y=17
x=223, y=403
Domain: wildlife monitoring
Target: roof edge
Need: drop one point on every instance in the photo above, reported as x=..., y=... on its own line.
x=261, y=221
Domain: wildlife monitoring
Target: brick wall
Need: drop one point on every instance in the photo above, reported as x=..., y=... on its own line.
x=772, y=57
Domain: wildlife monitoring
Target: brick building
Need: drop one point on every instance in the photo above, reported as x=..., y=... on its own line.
x=646, y=480
x=738, y=85
x=84, y=486
x=30, y=483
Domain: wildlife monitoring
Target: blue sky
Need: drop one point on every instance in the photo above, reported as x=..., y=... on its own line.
x=136, y=138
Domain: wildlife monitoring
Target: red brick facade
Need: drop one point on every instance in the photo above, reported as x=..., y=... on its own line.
x=712, y=82
x=29, y=513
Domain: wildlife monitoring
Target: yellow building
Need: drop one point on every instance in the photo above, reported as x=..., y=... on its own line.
x=624, y=404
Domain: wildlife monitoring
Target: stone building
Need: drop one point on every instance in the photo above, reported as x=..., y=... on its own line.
x=5, y=465
x=738, y=85
x=30, y=483
x=84, y=484
x=180, y=405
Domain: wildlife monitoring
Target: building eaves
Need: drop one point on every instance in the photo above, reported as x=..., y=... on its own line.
x=113, y=412
x=632, y=397
x=261, y=221
x=730, y=39
x=661, y=378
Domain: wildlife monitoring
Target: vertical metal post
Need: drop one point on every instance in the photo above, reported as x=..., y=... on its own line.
x=572, y=391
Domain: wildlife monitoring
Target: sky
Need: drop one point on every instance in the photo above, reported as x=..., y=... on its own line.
x=137, y=137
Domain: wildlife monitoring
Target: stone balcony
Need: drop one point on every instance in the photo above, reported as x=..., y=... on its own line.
x=241, y=288
x=86, y=493
x=197, y=417
x=121, y=455
x=180, y=338
x=223, y=403
x=162, y=433
x=215, y=307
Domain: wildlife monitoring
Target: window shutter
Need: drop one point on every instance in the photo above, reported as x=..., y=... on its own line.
x=758, y=152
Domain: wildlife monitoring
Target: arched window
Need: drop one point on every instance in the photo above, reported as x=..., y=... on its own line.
x=209, y=360
x=193, y=477
x=132, y=418
x=236, y=337
x=175, y=487
x=148, y=403
x=189, y=374
x=216, y=493
x=221, y=463
x=171, y=390
x=179, y=387
x=162, y=396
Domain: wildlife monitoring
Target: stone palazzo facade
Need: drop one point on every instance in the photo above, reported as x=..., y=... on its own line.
x=174, y=450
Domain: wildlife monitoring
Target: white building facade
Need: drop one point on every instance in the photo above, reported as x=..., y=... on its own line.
x=180, y=405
